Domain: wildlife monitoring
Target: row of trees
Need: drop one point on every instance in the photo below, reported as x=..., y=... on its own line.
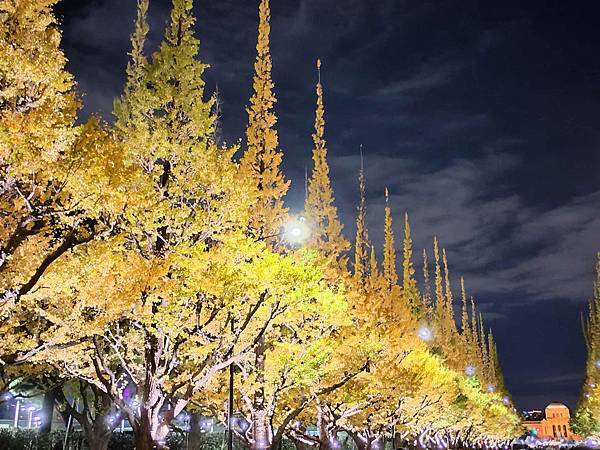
x=586, y=421
x=139, y=259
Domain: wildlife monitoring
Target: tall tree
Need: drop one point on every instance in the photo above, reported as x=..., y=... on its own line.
x=361, y=242
x=439, y=290
x=448, y=298
x=427, y=301
x=586, y=421
x=483, y=349
x=374, y=275
x=326, y=228
x=261, y=162
x=409, y=284
x=464, y=320
x=389, y=247
x=38, y=106
x=474, y=333
x=180, y=291
x=53, y=182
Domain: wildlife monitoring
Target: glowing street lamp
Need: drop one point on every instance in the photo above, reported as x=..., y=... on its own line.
x=598, y=363
x=490, y=388
x=470, y=371
x=296, y=231
x=424, y=333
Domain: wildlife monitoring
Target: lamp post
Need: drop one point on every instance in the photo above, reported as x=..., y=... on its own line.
x=295, y=232
x=16, y=419
x=230, y=402
x=31, y=409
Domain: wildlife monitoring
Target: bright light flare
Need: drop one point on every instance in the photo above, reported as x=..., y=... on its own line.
x=425, y=334
x=296, y=231
x=470, y=371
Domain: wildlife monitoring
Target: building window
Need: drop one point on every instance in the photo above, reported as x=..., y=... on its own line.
x=553, y=430
x=565, y=430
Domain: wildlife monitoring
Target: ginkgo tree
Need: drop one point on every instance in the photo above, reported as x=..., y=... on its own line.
x=55, y=175
x=180, y=290
x=140, y=259
x=586, y=421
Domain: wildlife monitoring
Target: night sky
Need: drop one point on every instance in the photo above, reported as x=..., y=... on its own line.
x=481, y=117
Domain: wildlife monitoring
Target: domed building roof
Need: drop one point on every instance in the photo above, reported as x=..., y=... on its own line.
x=556, y=405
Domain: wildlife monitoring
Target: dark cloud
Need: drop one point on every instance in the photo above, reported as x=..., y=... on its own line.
x=480, y=117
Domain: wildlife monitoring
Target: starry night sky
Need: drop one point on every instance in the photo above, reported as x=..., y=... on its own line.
x=481, y=117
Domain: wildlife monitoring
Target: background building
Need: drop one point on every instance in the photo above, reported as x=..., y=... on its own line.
x=552, y=424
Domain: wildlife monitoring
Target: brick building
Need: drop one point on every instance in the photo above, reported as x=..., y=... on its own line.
x=552, y=424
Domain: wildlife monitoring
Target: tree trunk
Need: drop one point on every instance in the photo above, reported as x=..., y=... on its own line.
x=47, y=412
x=195, y=437
x=151, y=428
x=277, y=441
x=260, y=431
x=325, y=437
x=301, y=445
x=99, y=439
x=360, y=444
x=370, y=442
x=143, y=439
x=142, y=432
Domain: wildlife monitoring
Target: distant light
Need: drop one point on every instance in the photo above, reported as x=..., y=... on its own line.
x=598, y=363
x=506, y=400
x=296, y=231
x=490, y=388
x=31, y=408
x=425, y=333
x=470, y=371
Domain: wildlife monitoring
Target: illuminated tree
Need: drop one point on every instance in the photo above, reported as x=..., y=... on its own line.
x=261, y=161
x=427, y=300
x=361, y=242
x=439, y=292
x=181, y=291
x=409, y=284
x=389, y=250
x=139, y=260
x=53, y=178
x=326, y=228
x=586, y=420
